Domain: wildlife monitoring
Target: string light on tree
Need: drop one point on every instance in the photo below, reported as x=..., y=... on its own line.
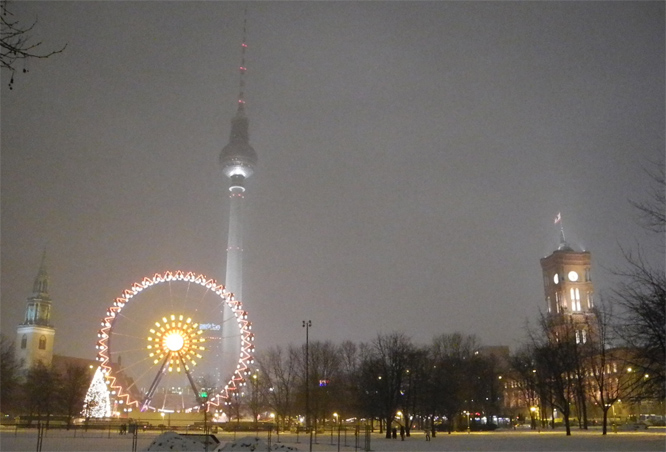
x=97, y=402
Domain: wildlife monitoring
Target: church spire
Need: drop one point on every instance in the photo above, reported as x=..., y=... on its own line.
x=40, y=287
x=35, y=336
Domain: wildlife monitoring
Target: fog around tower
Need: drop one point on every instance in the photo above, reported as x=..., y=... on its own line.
x=413, y=157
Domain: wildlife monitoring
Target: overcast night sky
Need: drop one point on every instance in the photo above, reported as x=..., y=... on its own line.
x=412, y=157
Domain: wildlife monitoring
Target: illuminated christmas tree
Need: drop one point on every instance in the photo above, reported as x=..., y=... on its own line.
x=97, y=402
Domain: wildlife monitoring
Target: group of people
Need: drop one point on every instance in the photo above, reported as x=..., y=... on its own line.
x=123, y=429
x=402, y=433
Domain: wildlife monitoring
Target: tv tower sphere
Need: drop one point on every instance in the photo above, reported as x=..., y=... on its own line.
x=238, y=158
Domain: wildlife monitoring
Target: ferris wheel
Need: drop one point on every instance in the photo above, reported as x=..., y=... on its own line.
x=174, y=342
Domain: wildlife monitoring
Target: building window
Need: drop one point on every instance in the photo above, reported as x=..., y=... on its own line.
x=575, y=299
x=42, y=343
x=588, y=276
x=590, y=300
x=24, y=341
x=581, y=336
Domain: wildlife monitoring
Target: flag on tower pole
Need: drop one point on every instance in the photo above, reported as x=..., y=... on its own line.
x=558, y=218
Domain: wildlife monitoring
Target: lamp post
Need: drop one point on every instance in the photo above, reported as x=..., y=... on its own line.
x=307, y=324
x=255, y=403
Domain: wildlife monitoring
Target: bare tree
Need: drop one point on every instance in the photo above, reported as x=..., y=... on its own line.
x=75, y=381
x=9, y=373
x=324, y=378
x=557, y=361
x=524, y=374
x=40, y=392
x=641, y=297
x=652, y=212
x=642, y=322
x=16, y=42
x=451, y=388
x=384, y=371
x=279, y=372
x=607, y=367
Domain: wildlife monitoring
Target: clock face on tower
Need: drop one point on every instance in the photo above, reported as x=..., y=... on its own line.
x=556, y=279
x=573, y=276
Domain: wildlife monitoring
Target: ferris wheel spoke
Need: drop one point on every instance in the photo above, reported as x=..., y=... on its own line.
x=139, y=363
x=130, y=336
x=170, y=296
x=127, y=350
x=203, y=297
x=125, y=319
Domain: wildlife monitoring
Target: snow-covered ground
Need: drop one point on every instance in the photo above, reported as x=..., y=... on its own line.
x=592, y=440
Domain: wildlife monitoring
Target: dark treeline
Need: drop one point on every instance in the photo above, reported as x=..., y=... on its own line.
x=40, y=392
x=387, y=381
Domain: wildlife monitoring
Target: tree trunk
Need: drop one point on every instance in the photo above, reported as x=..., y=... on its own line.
x=388, y=426
x=604, y=428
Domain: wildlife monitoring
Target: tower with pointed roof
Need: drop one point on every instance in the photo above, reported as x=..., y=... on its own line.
x=569, y=291
x=238, y=160
x=35, y=336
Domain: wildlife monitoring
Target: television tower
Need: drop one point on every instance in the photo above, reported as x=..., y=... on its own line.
x=238, y=160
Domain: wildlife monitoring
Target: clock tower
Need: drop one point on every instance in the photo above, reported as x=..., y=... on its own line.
x=34, y=337
x=569, y=292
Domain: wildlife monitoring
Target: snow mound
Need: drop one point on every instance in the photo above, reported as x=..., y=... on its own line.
x=171, y=441
x=252, y=443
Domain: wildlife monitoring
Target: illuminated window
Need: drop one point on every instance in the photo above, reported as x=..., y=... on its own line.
x=581, y=336
x=575, y=299
x=590, y=300
x=24, y=341
x=42, y=343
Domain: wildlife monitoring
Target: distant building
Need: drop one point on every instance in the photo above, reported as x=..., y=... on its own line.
x=36, y=335
x=569, y=292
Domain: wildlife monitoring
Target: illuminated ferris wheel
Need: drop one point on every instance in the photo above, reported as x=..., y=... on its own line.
x=172, y=338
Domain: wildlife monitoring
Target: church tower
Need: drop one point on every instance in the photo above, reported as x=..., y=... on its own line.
x=35, y=336
x=569, y=291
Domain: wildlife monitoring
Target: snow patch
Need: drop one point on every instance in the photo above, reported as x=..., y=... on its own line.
x=171, y=441
x=252, y=443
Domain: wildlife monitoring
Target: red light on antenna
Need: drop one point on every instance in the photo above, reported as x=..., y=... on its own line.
x=244, y=45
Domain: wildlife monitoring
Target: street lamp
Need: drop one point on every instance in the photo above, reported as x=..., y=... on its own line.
x=307, y=324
